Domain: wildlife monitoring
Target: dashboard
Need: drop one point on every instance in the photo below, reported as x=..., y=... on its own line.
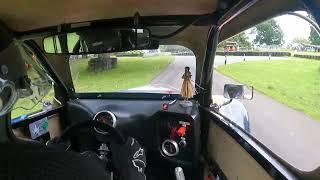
x=170, y=135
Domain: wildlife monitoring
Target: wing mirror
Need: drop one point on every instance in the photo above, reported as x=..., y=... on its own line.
x=233, y=91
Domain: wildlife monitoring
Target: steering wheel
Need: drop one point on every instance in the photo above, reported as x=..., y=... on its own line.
x=113, y=133
x=129, y=158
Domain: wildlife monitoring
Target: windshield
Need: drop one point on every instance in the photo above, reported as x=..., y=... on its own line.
x=147, y=71
x=39, y=85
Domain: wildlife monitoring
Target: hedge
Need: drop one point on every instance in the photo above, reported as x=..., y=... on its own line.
x=253, y=53
x=307, y=56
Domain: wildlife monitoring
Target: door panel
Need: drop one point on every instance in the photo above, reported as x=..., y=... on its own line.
x=50, y=125
x=234, y=161
x=233, y=153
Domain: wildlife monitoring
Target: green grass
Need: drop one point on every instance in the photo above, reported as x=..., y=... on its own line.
x=308, y=53
x=130, y=72
x=48, y=43
x=29, y=106
x=294, y=82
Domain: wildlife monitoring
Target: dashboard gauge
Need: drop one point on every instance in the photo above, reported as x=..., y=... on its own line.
x=105, y=117
x=170, y=147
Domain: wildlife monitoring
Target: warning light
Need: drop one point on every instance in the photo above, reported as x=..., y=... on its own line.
x=181, y=131
x=165, y=107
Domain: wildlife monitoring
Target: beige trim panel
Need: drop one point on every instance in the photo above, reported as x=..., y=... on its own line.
x=22, y=15
x=233, y=160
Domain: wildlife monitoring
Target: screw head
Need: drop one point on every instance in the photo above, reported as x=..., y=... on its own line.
x=4, y=69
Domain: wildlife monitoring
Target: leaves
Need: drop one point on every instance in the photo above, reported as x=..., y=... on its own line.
x=300, y=40
x=314, y=37
x=241, y=39
x=268, y=33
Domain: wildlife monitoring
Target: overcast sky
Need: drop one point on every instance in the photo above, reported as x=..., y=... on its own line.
x=292, y=27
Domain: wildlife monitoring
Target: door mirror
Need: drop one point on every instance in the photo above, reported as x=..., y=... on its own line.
x=233, y=91
x=99, y=40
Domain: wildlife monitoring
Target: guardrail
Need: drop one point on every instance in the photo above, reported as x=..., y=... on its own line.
x=307, y=56
x=183, y=54
x=253, y=53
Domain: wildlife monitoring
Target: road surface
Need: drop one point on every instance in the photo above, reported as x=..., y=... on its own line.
x=220, y=60
x=290, y=134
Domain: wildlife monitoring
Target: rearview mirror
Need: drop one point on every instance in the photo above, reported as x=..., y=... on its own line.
x=233, y=91
x=99, y=40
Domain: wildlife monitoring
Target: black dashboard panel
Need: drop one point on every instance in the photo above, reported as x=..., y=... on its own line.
x=141, y=120
x=167, y=128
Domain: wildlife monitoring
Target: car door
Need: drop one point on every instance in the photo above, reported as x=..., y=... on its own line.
x=232, y=154
x=280, y=143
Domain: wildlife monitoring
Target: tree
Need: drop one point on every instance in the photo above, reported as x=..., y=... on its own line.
x=242, y=40
x=173, y=48
x=314, y=37
x=300, y=40
x=268, y=33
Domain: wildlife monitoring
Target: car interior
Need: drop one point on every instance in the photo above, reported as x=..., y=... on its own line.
x=181, y=140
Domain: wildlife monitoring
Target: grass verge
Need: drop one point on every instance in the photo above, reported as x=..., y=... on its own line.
x=307, y=53
x=294, y=82
x=130, y=72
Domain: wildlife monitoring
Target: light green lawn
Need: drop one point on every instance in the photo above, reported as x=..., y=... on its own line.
x=48, y=43
x=294, y=82
x=130, y=72
x=308, y=53
x=29, y=106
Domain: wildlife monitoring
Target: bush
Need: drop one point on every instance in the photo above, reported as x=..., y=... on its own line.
x=133, y=53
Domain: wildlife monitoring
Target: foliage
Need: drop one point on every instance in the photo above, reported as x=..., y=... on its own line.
x=314, y=37
x=294, y=82
x=133, y=53
x=173, y=48
x=130, y=72
x=300, y=40
x=268, y=33
x=241, y=38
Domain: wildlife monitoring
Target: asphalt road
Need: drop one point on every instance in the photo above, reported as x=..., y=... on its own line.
x=220, y=60
x=290, y=134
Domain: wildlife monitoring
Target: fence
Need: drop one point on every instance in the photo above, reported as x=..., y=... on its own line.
x=253, y=53
x=307, y=56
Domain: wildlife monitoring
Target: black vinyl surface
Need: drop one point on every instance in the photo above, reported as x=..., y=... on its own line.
x=144, y=120
x=31, y=161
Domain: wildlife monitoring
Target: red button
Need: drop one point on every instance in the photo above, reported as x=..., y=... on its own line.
x=182, y=131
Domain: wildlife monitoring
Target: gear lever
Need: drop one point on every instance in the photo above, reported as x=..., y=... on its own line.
x=178, y=172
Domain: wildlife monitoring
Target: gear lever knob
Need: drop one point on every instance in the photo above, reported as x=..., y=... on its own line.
x=178, y=172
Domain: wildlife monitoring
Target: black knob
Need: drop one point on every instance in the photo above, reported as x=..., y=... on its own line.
x=183, y=142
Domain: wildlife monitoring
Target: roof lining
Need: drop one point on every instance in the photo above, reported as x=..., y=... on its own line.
x=24, y=16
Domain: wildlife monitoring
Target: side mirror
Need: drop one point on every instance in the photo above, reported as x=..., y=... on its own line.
x=233, y=91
